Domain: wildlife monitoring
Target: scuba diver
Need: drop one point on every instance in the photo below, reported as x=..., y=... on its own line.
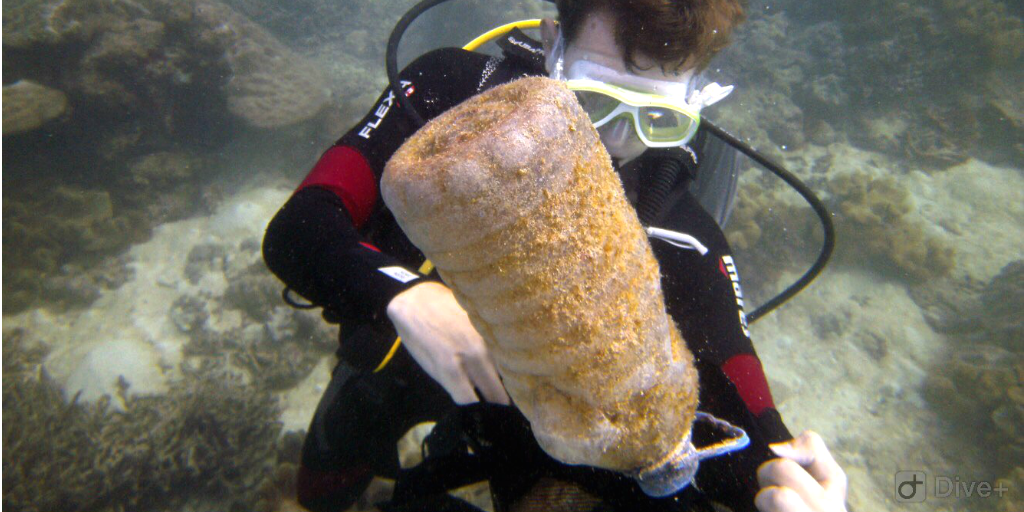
x=408, y=352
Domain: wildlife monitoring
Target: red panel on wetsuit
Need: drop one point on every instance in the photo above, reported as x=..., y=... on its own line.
x=745, y=372
x=345, y=171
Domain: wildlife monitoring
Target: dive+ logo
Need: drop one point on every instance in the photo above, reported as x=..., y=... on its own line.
x=910, y=486
x=914, y=487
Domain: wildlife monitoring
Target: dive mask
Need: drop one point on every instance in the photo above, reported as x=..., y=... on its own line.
x=664, y=113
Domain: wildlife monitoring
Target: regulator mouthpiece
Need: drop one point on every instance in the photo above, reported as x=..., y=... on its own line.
x=673, y=473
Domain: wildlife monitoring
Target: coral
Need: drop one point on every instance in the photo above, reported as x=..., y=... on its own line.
x=872, y=223
x=1001, y=303
x=162, y=185
x=1014, y=501
x=76, y=285
x=270, y=85
x=276, y=354
x=764, y=50
x=189, y=314
x=28, y=23
x=1001, y=116
x=885, y=132
x=980, y=385
x=148, y=75
x=278, y=493
x=48, y=230
x=201, y=435
x=254, y=291
x=898, y=59
x=770, y=234
x=771, y=122
x=988, y=24
x=156, y=86
x=980, y=389
x=28, y=106
x=274, y=346
x=211, y=436
x=939, y=141
x=204, y=258
x=981, y=313
x=744, y=231
x=41, y=435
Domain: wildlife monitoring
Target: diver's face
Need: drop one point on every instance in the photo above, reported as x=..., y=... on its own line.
x=596, y=43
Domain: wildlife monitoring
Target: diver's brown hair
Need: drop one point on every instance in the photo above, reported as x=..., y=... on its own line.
x=672, y=32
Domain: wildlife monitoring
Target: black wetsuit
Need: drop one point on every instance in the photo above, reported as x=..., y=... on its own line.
x=337, y=245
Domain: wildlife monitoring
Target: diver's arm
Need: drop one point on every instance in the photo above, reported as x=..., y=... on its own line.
x=313, y=246
x=313, y=243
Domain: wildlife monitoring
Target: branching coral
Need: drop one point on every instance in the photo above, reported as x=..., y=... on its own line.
x=274, y=346
x=40, y=434
x=211, y=436
x=199, y=437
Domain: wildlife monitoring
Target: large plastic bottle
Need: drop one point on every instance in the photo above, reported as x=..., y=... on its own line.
x=513, y=197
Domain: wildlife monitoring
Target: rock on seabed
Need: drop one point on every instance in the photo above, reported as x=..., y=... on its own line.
x=27, y=106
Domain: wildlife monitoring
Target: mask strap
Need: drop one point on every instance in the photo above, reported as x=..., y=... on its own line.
x=709, y=95
x=555, y=61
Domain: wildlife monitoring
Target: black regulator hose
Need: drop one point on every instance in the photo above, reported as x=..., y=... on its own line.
x=391, y=58
x=666, y=174
x=667, y=164
x=826, y=219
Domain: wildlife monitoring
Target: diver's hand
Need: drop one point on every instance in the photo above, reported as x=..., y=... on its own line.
x=438, y=334
x=805, y=479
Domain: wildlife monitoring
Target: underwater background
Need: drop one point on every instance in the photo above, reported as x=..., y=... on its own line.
x=150, y=364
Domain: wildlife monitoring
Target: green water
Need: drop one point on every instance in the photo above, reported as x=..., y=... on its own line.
x=149, y=363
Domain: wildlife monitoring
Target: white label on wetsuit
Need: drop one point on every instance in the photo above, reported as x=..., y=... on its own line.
x=730, y=268
x=399, y=274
